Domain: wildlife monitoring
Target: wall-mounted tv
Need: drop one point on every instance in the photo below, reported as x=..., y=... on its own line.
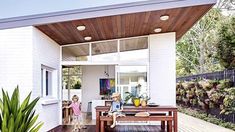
x=107, y=86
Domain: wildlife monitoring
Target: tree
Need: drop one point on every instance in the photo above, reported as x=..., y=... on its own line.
x=226, y=44
x=196, y=50
x=225, y=4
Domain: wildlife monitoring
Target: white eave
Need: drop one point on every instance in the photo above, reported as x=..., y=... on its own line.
x=134, y=7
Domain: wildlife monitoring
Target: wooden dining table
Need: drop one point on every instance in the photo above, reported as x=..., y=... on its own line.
x=171, y=110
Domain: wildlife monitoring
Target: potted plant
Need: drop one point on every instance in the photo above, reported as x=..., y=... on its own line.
x=134, y=98
x=145, y=98
x=18, y=117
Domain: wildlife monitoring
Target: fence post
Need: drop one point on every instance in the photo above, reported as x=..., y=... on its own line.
x=233, y=77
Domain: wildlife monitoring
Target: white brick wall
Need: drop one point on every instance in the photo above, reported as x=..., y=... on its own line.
x=162, y=68
x=46, y=52
x=16, y=60
x=22, y=51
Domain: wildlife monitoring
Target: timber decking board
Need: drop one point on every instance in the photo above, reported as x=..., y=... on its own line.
x=118, y=128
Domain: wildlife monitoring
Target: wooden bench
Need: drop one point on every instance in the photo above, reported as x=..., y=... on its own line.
x=169, y=119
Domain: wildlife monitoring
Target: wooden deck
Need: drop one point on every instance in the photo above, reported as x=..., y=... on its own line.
x=122, y=128
x=186, y=124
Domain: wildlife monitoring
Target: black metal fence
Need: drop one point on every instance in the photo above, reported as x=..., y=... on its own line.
x=219, y=75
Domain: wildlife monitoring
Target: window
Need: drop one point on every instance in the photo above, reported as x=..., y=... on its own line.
x=105, y=51
x=132, y=79
x=71, y=80
x=134, y=49
x=72, y=77
x=76, y=53
x=126, y=50
x=46, y=81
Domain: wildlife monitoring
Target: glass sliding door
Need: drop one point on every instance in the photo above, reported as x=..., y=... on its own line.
x=133, y=79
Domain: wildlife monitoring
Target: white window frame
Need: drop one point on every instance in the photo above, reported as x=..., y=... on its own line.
x=53, y=83
x=117, y=62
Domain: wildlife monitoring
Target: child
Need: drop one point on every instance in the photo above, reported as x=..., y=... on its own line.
x=116, y=108
x=75, y=105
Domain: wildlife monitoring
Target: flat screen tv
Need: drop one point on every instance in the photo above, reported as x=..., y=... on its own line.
x=107, y=86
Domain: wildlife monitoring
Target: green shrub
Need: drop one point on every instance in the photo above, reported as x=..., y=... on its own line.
x=188, y=85
x=227, y=83
x=16, y=117
x=228, y=105
x=216, y=97
x=207, y=94
x=206, y=84
x=77, y=85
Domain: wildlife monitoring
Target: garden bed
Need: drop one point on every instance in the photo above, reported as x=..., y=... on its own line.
x=212, y=97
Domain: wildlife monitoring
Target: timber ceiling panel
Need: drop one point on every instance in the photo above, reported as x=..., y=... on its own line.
x=126, y=25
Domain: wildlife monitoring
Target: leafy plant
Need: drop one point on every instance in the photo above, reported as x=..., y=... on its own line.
x=190, y=93
x=77, y=85
x=228, y=102
x=206, y=84
x=226, y=44
x=131, y=96
x=216, y=97
x=134, y=95
x=16, y=117
x=145, y=97
x=226, y=83
x=188, y=85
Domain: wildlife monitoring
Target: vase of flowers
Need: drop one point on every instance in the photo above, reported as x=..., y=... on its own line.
x=144, y=99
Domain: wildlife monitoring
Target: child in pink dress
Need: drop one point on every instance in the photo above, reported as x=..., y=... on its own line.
x=77, y=116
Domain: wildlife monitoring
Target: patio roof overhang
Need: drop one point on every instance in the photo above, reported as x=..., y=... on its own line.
x=115, y=21
x=125, y=25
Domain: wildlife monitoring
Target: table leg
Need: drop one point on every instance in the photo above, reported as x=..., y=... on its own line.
x=163, y=125
x=169, y=126
x=102, y=126
x=169, y=123
x=175, y=121
x=97, y=121
x=66, y=115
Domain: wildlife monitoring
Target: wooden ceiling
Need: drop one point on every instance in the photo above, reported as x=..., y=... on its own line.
x=126, y=25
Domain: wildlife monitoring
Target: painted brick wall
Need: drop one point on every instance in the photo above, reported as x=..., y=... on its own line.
x=22, y=51
x=46, y=52
x=162, y=69
x=16, y=59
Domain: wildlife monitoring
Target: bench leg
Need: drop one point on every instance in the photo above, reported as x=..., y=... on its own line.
x=175, y=121
x=102, y=126
x=97, y=121
x=169, y=126
x=163, y=125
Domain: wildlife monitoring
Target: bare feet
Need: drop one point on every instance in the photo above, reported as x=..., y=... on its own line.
x=84, y=127
x=76, y=130
x=112, y=126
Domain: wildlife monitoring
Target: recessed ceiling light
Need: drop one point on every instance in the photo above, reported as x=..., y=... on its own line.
x=157, y=30
x=88, y=38
x=81, y=28
x=164, y=17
